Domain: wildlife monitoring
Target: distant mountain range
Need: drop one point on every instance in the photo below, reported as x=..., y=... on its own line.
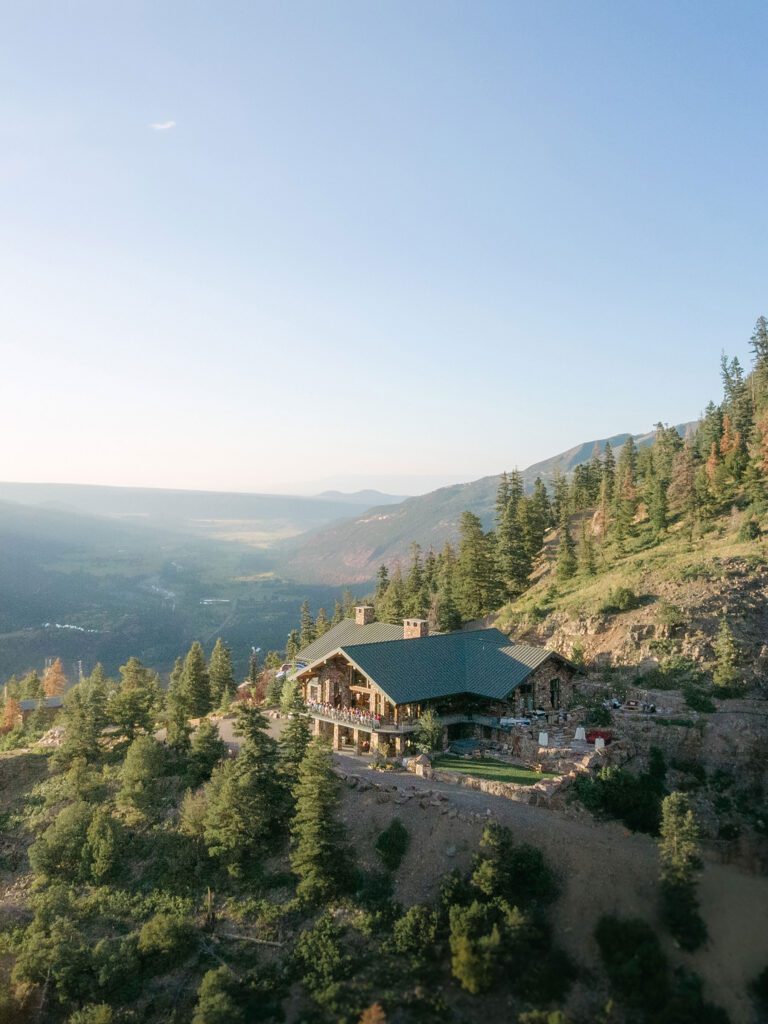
x=367, y=498
x=255, y=519
x=351, y=551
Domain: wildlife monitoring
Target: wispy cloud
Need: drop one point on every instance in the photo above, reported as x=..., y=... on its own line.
x=163, y=126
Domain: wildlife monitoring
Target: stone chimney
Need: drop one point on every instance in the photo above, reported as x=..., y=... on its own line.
x=415, y=628
x=364, y=614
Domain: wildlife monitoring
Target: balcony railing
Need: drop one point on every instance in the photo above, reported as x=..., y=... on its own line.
x=380, y=723
x=353, y=717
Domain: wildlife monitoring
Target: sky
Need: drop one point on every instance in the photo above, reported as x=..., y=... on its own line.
x=292, y=245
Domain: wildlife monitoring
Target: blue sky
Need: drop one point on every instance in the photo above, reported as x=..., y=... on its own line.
x=383, y=243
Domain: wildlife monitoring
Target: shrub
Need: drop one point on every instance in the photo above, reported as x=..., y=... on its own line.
x=218, y=999
x=166, y=939
x=670, y=615
x=429, y=733
x=599, y=716
x=697, y=700
x=674, y=672
x=319, y=955
x=61, y=851
x=475, y=940
x=95, y=1013
x=619, y=599
x=142, y=771
x=726, y=656
x=616, y=793
x=634, y=961
x=207, y=749
x=517, y=874
x=680, y=912
x=749, y=530
x=392, y=844
x=415, y=932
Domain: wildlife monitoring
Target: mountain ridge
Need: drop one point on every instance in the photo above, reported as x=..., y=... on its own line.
x=351, y=551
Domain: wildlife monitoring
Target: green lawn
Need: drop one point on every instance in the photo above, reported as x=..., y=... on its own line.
x=497, y=771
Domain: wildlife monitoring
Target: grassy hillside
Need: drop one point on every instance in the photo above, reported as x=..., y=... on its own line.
x=677, y=592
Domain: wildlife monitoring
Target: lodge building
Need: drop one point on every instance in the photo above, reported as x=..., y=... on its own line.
x=366, y=683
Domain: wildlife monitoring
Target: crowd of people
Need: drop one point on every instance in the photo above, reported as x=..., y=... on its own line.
x=348, y=715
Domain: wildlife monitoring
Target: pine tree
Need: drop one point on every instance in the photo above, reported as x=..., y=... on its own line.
x=133, y=706
x=566, y=553
x=382, y=581
x=81, y=736
x=539, y=517
x=11, y=714
x=679, y=855
x=142, y=773
x=245, y=800
x=682, y=493
x=514, y=563
x=178, y=728
x=54, y=679
x=295, y=737
x=322, y=625
x=306, y=626
x=445, y=615
x=103, y=845
x=430, y=572
x=516, y=488
x=737, y=398
x=174, y=679
x=679, y=839
x=608, y=477
x=318, y=855
x=560, y=495
x=292, y=645
x=710, y=430
x=136, y=676
x=625, y=490
x=586, y=551
x=338, y=613
x=656, y=501
x=95, y=690
x=478, y=589
x=416, y=598
x=194, y=685
x=221, y=676
x=31, y=687
x=274, y=691
x=726, y=656
x=207, y=749
x=759, y=343
x=392, y=605
x=502, y=497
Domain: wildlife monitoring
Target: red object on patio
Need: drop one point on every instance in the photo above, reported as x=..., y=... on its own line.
x=605, y=734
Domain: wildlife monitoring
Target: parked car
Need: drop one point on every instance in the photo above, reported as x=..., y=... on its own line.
x=509, y=723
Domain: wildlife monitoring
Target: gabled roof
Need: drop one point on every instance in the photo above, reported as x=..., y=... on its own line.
x=348, y=632
x=481, y=662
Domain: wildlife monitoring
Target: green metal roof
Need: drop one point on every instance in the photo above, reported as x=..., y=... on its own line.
x=348, y=632
x=482, y=662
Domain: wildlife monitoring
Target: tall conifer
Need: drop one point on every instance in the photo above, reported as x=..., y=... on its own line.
x=222, y=678
x=194, y=687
